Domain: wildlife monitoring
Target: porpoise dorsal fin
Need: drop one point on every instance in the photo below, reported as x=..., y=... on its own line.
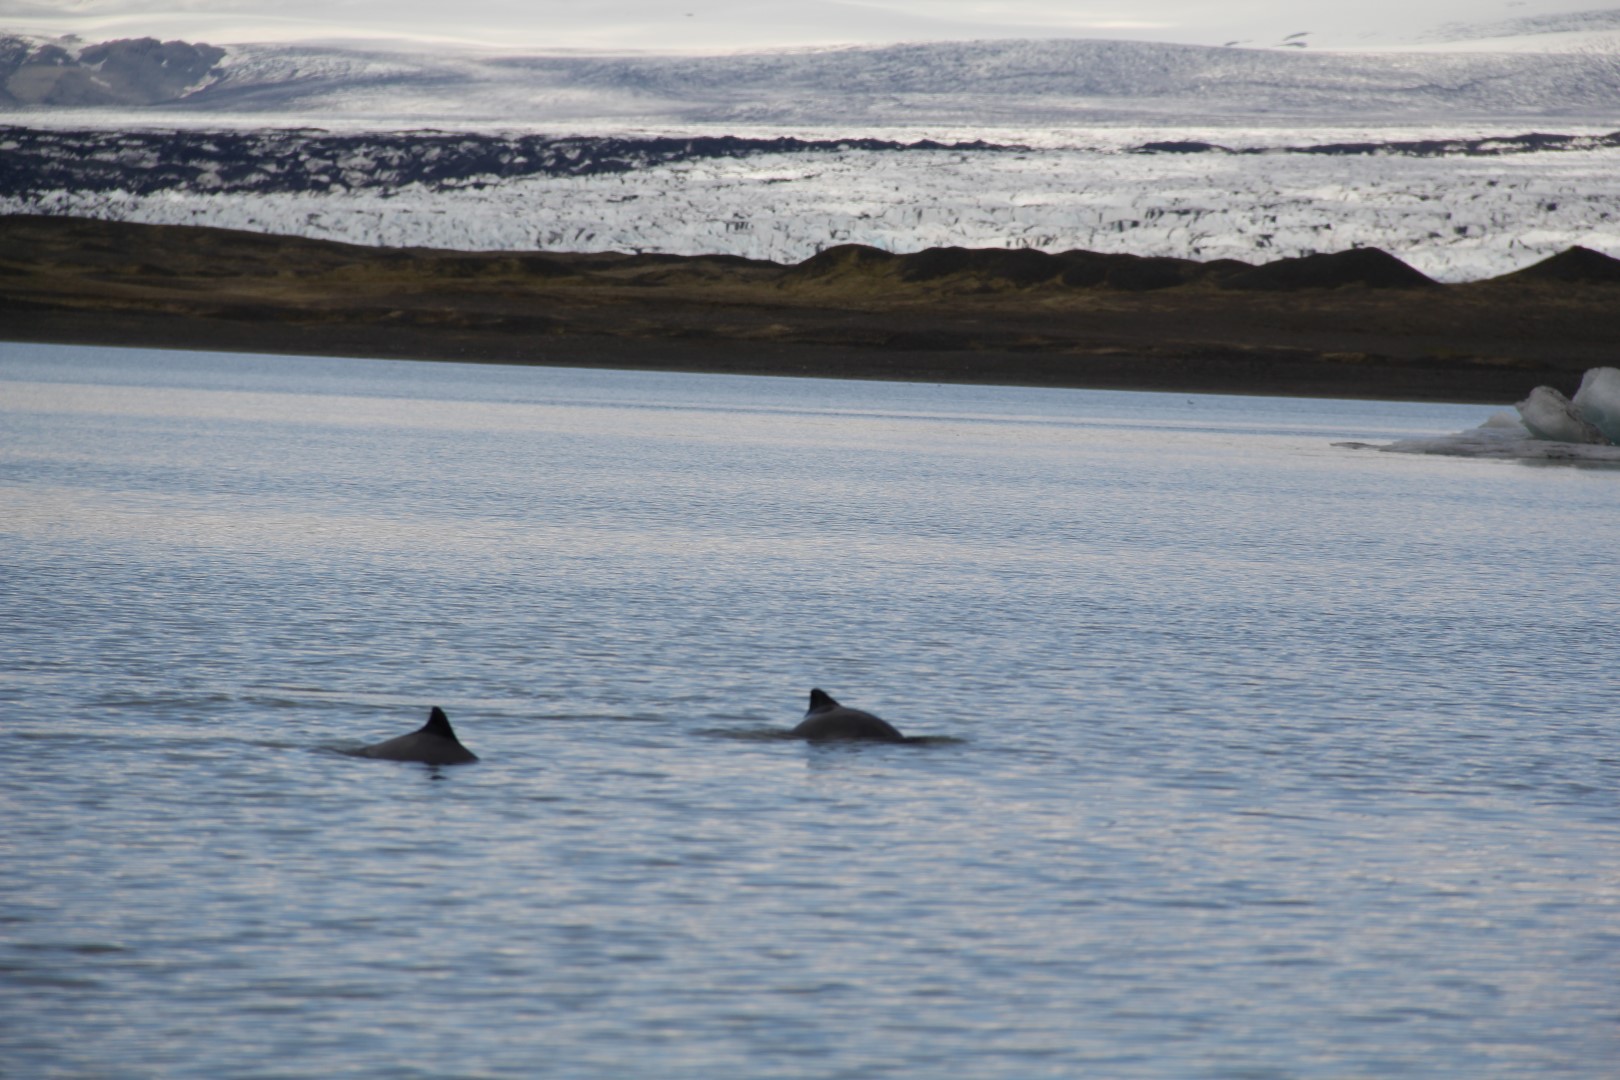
x=439, y=724
x=820, y=699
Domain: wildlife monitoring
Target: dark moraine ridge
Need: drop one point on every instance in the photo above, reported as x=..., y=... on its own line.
x=1359, y=323
x=34, y=161
x=37, y=161
x=1576, y=265
x=1492, y=146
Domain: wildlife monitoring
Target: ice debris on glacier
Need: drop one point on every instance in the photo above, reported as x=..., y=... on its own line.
x=1584, y=429
x=1452, y=218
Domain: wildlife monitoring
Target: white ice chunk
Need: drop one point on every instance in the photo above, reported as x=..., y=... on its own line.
x=1548, y=428
x=1598, y=399
x=1552, y=416
x=1501, y=436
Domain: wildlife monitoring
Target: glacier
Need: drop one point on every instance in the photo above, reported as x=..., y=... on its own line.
x=1455, y=217
x=1119, y=147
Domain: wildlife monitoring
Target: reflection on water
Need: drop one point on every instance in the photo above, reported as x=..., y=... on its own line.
x=1241, y=754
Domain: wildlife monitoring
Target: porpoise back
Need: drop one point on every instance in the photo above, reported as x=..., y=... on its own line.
x=434, y=743
x=826, y=719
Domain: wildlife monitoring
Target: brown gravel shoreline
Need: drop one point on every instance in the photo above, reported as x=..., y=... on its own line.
x=1357, y=326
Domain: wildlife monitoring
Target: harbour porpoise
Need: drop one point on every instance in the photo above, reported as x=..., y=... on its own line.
x=434, y=743
x=826, y=719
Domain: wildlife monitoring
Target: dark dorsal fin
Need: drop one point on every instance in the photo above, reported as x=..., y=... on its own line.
x=438, y=724
x=820, y=699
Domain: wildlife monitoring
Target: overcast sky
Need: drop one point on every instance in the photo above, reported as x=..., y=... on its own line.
x=723, y=25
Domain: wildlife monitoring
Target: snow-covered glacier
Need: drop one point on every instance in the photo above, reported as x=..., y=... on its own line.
x=1454, y=216
x=1050, y=83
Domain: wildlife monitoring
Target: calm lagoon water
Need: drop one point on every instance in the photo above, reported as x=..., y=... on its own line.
x=1256, y=756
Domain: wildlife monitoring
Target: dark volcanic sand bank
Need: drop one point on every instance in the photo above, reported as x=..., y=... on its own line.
x=1351, y=324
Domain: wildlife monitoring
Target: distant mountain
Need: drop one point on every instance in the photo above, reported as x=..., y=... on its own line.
x=140, y=71
x=992, y=82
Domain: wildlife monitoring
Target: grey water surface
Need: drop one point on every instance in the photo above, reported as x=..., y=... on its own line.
x=1248, y=755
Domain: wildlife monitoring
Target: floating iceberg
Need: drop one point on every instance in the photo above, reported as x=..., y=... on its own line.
x=1598, y=400
x=1549, y=427
x=1549, y=415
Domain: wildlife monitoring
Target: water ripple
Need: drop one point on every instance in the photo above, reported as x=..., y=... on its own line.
x=1234, y=754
